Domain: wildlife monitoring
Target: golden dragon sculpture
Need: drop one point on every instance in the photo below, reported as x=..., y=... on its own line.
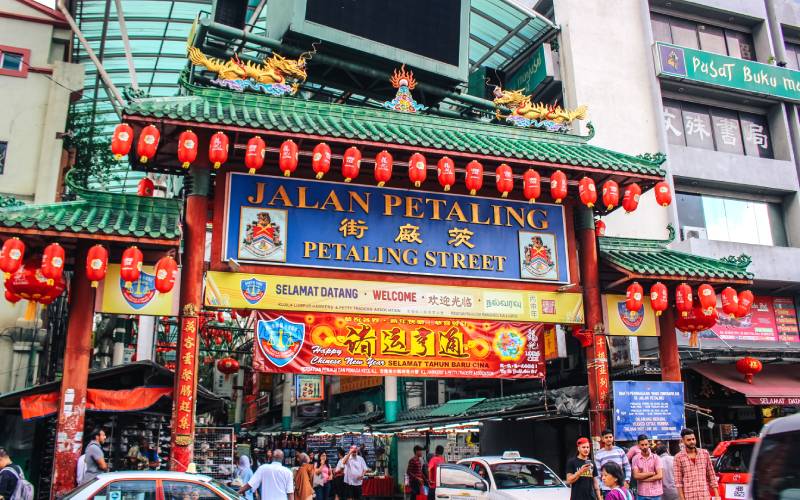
x=522, y=106
x=275, y=70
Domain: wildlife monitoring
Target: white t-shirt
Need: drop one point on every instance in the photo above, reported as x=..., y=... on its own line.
x=275, y=480
x=354, y=469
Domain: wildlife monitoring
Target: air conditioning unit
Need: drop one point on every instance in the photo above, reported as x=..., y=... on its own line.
x=698, y=233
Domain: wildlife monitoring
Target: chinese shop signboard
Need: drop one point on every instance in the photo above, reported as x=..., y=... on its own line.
x=652, y=408
x=296, y=222
x=288, y=293
x=684, y=63
x=330, y=344
x=771, y=319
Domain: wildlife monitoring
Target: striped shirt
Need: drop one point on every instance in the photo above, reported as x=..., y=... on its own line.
x=694, y=476
x=616, y=455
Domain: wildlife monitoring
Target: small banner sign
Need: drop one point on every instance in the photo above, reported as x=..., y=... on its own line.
x=331, y=344
x=620, y=321
x=140, y=297
x=652, y=408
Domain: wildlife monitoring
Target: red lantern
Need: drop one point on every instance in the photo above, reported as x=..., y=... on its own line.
x=131, y=266
x=504, y=178
x=745, y=303
x=351, y=163
x=531, y=185
x=218, y=149
x=558, y=186
x=417, y=169
x=446, y=171
x=633, y=298
x=658, y=298
x=599, y=228
x=12, y=297
x=683, y=299
x=145, y=187
x=11, y=256
x=663, y=193
x=321, y=159
x=730, y=301
x=695, y=322
x=29, y=283
x=708, y=299
x=254, y=154
x=96, y=264
x=749, y=366
x=383, y=167
x=228, y=336
x=587, y=192
x=220, y=317
x=630, y=198
x=52, y=262
x=228, y=366
x=585, y=337
x=187, y=148
x=287, y=161
x=610, y=194
x=166, y=271
x=148, y=143
x=474, y=177
x=122, y=140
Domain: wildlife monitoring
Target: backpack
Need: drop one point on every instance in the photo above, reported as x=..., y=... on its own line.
x=623, y=493
x=24, y=489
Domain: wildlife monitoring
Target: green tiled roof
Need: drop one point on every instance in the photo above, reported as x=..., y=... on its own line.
x=455, y=407
x=292, y=115
x=101, y=213
x=654, y=258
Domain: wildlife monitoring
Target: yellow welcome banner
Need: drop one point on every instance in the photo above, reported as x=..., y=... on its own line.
x=142, y=298
x=288, y=293
x=620, y=321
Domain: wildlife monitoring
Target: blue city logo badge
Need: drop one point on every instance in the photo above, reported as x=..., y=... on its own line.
x=141, y=291
x=672, y=60
x=280, y=340
x=253, y=290
x=631, y=319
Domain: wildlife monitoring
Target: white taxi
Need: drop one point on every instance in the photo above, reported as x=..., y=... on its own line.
x=506, y=477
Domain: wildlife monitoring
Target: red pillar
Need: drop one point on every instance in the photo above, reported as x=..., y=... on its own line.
x=72, y=401
x=191, y=299
x=597, y=352
x=668, y=348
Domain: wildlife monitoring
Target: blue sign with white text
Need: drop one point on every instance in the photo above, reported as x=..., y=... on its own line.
x=309, y=223
x=652, y=408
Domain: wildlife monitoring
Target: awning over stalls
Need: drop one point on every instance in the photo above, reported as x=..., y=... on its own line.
x=776, y=385
x=138, y=386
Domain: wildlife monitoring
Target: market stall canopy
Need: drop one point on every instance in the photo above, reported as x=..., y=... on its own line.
x=630, y=259
x=132, y=379
x=775, y=385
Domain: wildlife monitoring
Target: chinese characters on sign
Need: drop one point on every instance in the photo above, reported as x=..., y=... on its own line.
x=329, y=344
x=186, y=371
x=309, y=388
x=652, y=408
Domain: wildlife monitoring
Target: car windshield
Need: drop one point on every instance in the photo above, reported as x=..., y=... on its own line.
x=226, y=490
x=523, y=475
x=736, y=458
x=80, y=488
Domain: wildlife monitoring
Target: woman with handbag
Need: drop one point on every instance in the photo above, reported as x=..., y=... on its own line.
x=322, y=477
x=303, y=479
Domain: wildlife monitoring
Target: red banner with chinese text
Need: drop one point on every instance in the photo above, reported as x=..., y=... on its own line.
x=331, y=344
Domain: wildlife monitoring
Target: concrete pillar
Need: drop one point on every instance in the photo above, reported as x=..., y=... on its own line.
x=442, y=395
x=286, y=401
x=145, y=338
x=390, y=399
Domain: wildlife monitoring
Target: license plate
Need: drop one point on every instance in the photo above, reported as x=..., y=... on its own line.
x=736, y=491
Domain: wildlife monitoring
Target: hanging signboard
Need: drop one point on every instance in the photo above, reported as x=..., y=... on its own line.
x=296, y=222
x=287, y=293
x=309, y=388
x=652, y=408
x=535, y=70
x=771, y=319
x=620, y=321
x=330, y=344
x=141, y=298
x=684, y=63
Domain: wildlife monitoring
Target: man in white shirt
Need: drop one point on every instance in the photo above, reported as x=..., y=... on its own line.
x=354, y=469
x=275, y=480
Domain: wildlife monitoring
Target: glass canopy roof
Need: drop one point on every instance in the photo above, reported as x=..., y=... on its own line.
x=500, y=32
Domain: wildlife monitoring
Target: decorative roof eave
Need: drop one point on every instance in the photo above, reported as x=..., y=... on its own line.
x=290, y=117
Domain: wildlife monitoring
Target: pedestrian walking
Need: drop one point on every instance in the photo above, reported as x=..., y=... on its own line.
x=694, y=474
x=433, y=465
x=243, y=473
x=416, y=481
x=648, y=471
x=322, y=477
x=339, y=492
x=304, y=478
x=10, y=473
x=667, y=463
x=94, y=458
x=582, y=475
x=354, y=470
x=275, y=480
x=610, y=453
x=613, y=478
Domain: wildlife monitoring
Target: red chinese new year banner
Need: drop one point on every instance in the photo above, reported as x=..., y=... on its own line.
x=331, y=344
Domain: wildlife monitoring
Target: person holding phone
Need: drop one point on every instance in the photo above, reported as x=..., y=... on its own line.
x=582, y=475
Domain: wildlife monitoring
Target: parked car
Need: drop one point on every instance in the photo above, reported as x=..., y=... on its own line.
x=152, y=485
x=732, y=463
x=775, y=467
x=506, y=477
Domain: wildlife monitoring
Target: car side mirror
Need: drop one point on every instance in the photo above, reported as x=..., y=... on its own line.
x=481, y=486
